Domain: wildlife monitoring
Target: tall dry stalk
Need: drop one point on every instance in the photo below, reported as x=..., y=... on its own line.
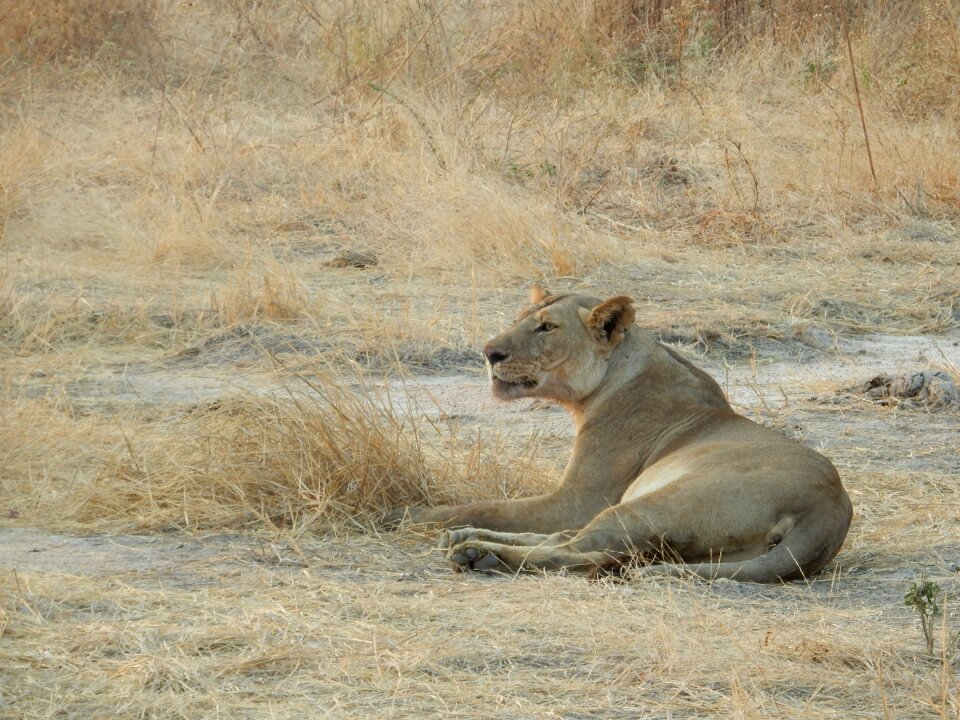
x=856, y=92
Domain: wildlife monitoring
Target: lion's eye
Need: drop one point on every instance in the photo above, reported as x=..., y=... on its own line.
x=545, y=327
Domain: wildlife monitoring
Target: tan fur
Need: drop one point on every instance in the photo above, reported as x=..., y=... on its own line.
x=663, y=470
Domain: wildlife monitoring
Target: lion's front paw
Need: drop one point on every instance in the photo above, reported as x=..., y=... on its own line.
x=472, y=555
x=452, y=538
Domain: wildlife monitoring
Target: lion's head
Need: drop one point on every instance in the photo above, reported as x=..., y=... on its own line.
x=558, y=347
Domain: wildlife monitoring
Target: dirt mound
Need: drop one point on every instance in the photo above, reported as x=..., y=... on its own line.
x=923, y=388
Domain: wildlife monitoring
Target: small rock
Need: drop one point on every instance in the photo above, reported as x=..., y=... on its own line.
x=942, y=392
x=923, y=388
x=353, y=258
x=908, y=386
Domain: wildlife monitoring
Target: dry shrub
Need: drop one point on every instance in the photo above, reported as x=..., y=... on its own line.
x=357, y=43
x=43, y=30
x=561, y=45
x=910, y=49
x=519, y=48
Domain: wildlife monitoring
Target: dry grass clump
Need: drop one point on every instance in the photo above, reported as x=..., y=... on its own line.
x=72, y=322
x=275, y=295
x=302, y=462
x=40, y=465
x=328, y=451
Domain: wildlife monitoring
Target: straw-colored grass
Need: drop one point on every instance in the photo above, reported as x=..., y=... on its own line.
x=273, y=644
x=315, y=453
x=188, y=342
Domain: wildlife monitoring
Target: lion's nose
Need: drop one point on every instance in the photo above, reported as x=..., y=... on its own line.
x=493, y=355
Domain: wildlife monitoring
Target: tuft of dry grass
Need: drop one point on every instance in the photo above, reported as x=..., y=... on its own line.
x=275, y=295
x=300, y=462
x=324, y=453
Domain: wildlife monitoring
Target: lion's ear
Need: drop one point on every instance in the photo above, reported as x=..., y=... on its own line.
x=538, y=294
x=608, y=321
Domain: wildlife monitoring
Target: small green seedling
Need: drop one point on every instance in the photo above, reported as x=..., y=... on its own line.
x=922, y=597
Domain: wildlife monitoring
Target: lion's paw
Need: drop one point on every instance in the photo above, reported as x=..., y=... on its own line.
x=469, y=555
x=452, y=538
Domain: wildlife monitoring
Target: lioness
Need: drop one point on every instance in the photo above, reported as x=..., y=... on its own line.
x=662, y=470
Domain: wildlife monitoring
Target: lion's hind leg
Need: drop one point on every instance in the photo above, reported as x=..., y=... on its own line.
x=802, y=553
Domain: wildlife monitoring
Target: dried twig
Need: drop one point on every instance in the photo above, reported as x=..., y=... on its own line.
x=856, y=90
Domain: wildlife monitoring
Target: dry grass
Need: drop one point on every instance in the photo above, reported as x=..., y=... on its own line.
x=221, y=188
x=316, y=453
x=180, y=338
x=667, y=649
